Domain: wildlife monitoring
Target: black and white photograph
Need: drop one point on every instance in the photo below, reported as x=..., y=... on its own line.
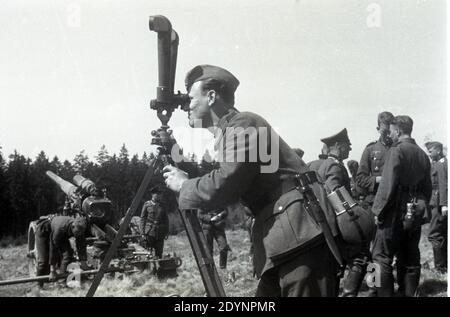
x=248, y=150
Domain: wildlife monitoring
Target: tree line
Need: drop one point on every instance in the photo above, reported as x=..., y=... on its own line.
x=26, y=193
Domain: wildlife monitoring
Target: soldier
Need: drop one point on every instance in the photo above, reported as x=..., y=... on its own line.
x=399, y=205
x=438, y=225
x=332, y=171
x=52, y=241
x=314, y=165
x=301, y=272
x=154, y=224
x=213, y=225
x=370, y=168
x=372, y=160
x=334, y=174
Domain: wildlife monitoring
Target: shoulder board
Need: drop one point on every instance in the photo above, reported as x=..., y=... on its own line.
x=330, y=161
x=371, y=143
x=335, y=160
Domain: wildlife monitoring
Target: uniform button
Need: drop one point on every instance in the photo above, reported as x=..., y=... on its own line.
x=280, y=208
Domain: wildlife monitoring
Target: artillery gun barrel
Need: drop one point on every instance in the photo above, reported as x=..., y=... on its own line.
x=84, y=183
x=67, y=187
x=45, y=278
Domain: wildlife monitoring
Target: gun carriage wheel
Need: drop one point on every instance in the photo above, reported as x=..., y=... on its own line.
x=32, y=250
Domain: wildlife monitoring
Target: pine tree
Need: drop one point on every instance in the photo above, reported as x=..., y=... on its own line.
x=4, y=203
x=21, y=210
x=102, y=156
x=44, y=198
x=81, y=162
x=123, y=155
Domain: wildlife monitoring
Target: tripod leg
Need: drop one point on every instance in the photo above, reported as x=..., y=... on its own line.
x=203, y=257
x=123, y=227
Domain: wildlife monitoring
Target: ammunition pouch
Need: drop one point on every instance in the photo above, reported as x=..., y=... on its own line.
x=356, y=224
x=289, y=228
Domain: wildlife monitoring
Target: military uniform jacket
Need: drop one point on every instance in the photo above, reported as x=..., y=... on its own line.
x=439, y=177
x=333, y=174
x=236, y=180
x=315, y=165
x=59, y=240
x=371, y=166
x=154, y=220
x=407, y=166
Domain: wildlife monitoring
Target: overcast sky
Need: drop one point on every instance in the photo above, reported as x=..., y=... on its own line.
x=78, y=74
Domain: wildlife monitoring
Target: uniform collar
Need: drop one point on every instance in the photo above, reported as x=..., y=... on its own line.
x=226, y=118
x=406, y=140
x=334, y=158
x=223, y=122
x=382, y=143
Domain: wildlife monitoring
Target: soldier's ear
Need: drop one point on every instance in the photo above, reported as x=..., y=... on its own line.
x=212, y=95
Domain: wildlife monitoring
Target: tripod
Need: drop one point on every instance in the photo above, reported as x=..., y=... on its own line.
x=211, y=280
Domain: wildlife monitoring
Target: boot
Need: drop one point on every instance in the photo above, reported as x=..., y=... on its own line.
x=401, y=273
x=223, y=259
x=412, y=278
x=386, y=288
x=352, y=283
x=372, y=292
x=440, y=259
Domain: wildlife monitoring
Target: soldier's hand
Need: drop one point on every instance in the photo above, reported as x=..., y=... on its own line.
x=444, y=211
x=174, y=177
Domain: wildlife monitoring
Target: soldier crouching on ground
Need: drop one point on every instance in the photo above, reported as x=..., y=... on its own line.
x=52, y=241
x=154, y=224
x=213, y=225
x=438, y=233
x=285, y=267
x=399, y=207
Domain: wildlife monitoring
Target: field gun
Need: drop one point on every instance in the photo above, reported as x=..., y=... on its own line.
x=85, y=199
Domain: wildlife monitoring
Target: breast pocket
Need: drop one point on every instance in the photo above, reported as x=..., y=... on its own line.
x=376, y=161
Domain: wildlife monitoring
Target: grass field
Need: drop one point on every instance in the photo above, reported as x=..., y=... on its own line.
x=237, y=278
